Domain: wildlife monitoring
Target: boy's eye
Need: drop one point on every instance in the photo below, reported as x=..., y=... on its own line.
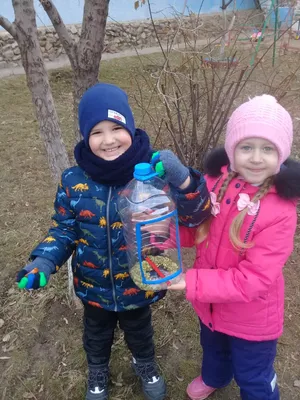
x=117, y=128
x=96, y=133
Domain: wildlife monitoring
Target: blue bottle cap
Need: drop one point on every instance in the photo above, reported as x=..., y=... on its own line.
x=143, y=172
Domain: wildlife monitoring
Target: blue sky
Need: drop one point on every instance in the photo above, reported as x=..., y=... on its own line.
x=120, y=10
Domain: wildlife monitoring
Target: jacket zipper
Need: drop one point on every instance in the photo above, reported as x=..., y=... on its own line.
x=109, y=249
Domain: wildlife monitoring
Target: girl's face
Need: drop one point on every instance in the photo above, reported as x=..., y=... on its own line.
x=109, y=140
x=256, y=159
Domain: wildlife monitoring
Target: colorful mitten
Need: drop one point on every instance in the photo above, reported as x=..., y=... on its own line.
x=36, y=274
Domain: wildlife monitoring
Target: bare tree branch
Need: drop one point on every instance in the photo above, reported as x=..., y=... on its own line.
x=60, y=27
x=225, y=5
x=8, y=26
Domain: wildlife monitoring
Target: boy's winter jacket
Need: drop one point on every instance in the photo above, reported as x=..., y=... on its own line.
x=87, y=225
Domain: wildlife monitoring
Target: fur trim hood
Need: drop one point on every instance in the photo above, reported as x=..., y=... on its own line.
x=286, y=182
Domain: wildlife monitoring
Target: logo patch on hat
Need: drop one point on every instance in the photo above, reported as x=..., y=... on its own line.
x=116, y=115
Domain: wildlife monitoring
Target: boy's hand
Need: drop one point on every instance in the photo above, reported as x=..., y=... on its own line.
x=36, y=274
x=169, y=167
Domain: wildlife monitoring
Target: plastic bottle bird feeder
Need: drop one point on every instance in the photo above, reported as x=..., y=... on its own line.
x=151, y=230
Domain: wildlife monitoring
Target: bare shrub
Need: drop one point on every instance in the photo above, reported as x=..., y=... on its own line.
x=193, y=86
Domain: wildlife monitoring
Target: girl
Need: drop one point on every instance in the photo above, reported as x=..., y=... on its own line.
x=87, y=225
x=236, y=286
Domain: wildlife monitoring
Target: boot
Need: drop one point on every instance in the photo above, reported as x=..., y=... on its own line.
x=153, y=384
x=97, y=382
x=197, y=390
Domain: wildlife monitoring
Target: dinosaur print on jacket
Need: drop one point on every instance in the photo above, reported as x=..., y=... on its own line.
x=87, y=227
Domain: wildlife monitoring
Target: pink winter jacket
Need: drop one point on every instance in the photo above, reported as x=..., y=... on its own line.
x=242, y=294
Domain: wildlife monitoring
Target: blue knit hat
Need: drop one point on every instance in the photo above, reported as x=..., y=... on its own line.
x=104, y=102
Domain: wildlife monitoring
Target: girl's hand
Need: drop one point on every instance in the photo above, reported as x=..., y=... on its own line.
x=181, y=285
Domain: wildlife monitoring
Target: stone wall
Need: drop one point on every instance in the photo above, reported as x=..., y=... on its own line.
x=122, y=36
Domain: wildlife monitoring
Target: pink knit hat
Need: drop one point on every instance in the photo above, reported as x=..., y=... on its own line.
x=260, y=117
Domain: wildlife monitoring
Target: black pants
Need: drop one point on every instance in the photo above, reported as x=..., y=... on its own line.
x=99, y=327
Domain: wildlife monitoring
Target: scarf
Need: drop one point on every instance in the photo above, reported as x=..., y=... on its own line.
x=117, y=172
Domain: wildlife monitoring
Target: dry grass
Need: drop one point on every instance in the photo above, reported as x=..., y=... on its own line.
x=41, y=355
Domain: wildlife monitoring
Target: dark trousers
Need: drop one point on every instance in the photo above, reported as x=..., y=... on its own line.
x=99, y=327
x=249, y=363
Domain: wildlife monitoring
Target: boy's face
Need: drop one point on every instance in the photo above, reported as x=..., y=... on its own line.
x=109, y=140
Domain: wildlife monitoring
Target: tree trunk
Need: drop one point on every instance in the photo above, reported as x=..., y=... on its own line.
x=82, y=80
x=89, y=49
x=38, y=84
x=85, y=55
x=257, y=4
x=225, y=35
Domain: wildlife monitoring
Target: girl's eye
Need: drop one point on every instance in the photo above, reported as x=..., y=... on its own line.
x=246, y=148
x=268, y=149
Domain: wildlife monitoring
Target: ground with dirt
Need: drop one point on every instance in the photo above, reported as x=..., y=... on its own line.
x=41, y=355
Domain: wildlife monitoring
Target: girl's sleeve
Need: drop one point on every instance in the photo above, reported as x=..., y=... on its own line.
x=59, y=243
x=194, y=207
x=253, y=276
